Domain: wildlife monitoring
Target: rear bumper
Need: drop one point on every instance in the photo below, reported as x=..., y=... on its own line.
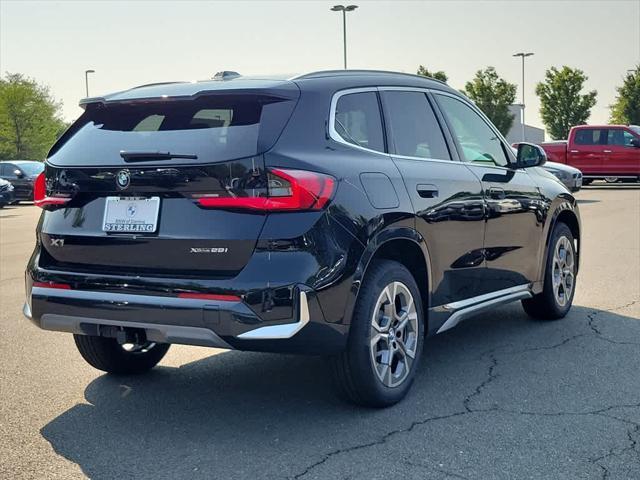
x=219, y=324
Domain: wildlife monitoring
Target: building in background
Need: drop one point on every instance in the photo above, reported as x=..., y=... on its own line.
x=532, y=134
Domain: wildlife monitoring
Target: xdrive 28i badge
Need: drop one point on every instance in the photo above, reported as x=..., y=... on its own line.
x=123, y=179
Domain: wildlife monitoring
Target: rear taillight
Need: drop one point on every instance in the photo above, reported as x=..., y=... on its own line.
x=40, y=198
x=287, y=190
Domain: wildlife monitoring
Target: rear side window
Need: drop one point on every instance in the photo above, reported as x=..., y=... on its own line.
x=357, y=120
x=415, y=131
x=214, y=128
x=590, y=136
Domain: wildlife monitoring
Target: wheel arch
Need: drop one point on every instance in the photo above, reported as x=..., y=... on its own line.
x=566, y=212
x=404, y=245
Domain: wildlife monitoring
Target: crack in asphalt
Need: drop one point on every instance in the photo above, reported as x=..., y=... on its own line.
x=633, y=443
x=591, y=321
x=380, y=441
x=490, y=377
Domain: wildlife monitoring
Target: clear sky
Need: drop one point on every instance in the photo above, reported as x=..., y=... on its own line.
x=135, y=42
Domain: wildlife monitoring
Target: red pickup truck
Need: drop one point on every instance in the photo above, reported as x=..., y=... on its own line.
x=609, y=152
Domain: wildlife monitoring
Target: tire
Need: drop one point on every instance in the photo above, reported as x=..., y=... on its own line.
x=359, y=372
x=555, y=300
x=586, y=182
x=108, y=355
x=611, y=179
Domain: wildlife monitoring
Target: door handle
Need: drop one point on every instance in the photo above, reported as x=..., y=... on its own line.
x=497, y=193
x=427, y=191
x=574, y=151
x=607, y=151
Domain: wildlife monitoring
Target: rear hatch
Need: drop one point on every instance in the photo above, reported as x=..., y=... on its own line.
x=127, y=185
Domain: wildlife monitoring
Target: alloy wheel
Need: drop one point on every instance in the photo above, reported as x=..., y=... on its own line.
x=394, y=334
x=563, y=274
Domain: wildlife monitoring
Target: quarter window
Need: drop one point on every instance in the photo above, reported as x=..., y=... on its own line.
x=357, y=120
x=415, y=131
x=478, y=141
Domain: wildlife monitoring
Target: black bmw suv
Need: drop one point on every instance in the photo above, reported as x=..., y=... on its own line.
x=342, y=213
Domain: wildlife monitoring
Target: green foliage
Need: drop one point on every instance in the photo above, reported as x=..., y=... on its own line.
x=562, y=105
x=493, y=95
x=626, y=109
x=439, y=75
x=29, y=118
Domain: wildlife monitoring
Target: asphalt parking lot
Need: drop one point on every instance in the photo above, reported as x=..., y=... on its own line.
x=499, y=397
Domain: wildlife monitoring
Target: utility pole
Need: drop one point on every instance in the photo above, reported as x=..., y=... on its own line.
x=344, y=10
x=523, y=55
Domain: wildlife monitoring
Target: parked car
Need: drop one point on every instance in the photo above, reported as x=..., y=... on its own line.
x=569, y=176
x=600, y=152
x=344, y=213
x=22, y=174
x=6, y=193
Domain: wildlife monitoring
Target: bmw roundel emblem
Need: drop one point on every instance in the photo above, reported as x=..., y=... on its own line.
x=123, y=179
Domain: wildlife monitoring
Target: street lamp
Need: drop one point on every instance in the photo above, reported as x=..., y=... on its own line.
x=344, y=10
x=86, y=79
x=523, y=55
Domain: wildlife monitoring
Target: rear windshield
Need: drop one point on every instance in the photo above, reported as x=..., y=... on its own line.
x=213, y=128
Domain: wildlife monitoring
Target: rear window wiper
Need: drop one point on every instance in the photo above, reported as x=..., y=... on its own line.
x=148, y=156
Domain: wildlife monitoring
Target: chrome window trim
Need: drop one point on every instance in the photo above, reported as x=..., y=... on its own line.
x=333, y=133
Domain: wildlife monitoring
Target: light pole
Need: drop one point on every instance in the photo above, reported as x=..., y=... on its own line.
x=523, y=55
x=86, y=79
x=344, y=10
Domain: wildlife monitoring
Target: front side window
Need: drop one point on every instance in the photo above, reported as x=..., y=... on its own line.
x=479, y=143
x=590, y=136
x=357, y=120
x=415, y=131
x=619, y=137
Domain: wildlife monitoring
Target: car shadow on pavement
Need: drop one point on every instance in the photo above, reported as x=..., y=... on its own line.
x=242, y=415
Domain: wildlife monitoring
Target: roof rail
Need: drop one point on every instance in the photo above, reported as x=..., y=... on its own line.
x=339, y=73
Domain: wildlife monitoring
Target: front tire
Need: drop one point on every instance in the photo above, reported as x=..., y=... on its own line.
x=108, y=355
x=555, y=300
x=385, y=340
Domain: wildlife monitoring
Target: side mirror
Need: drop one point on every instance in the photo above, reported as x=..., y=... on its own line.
x=18, y=173
x=530, y=155
x=635, y=142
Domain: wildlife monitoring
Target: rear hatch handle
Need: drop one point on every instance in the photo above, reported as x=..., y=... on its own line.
x=146, y=156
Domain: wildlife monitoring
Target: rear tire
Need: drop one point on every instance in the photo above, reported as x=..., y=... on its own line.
x=385, y=340
x=108, y=355
x=555, y=300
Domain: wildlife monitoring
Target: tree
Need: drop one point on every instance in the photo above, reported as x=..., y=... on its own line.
x=493, y=95
x=562, y=105
x=626, y=109
x=439, y=75
x=29, y=118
